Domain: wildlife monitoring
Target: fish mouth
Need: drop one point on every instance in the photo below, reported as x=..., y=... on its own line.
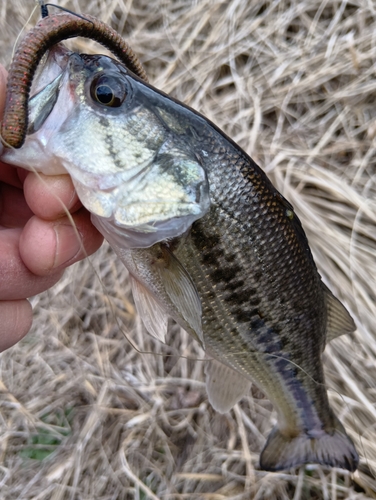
x=130, y=162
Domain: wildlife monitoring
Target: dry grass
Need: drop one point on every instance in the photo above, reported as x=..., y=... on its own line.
x=116, y=414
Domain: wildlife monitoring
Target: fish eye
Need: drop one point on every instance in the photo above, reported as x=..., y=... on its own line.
x=108, y=91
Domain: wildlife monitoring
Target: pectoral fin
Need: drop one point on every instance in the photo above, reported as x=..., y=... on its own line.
x=182, y=292
x=339, y=320
x=225, y=387
x=152, y=314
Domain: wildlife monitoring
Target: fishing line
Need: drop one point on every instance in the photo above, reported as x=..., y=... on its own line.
x=86, y=256
x=44, y=10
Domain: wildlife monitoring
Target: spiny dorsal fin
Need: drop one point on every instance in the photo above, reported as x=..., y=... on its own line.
x=339, y=320
x=152, y=314
x=225, y=387
x=182, y=293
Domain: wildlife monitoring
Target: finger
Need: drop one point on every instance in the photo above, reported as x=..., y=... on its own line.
x=48, y=246
x=14, y=211
x=17, y=281
x=50, y=196
x=16, y=318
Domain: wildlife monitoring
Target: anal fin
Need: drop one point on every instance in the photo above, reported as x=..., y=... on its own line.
x=225, y=387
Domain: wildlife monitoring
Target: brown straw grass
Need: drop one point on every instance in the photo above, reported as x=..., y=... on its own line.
x=116, y=414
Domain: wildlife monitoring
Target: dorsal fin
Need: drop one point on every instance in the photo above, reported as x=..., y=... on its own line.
x=339, y=320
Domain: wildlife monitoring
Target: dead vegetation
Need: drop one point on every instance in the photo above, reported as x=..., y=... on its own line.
x=91, y=405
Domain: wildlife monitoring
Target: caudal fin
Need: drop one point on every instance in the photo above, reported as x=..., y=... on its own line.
x=334, y=449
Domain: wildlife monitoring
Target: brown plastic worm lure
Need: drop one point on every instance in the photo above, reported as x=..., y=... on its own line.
x=49, y=31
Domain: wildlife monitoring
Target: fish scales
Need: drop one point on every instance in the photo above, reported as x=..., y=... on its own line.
x=207, y=240
x=271, y=311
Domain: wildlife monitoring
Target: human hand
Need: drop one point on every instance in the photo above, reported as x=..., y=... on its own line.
x=37, y=240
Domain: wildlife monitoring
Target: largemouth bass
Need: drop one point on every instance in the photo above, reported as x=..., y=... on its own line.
x=207, y=240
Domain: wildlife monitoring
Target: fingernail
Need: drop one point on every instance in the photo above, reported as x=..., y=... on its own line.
x=68, y=244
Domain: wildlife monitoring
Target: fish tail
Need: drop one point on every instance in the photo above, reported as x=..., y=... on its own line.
x=332, y=448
